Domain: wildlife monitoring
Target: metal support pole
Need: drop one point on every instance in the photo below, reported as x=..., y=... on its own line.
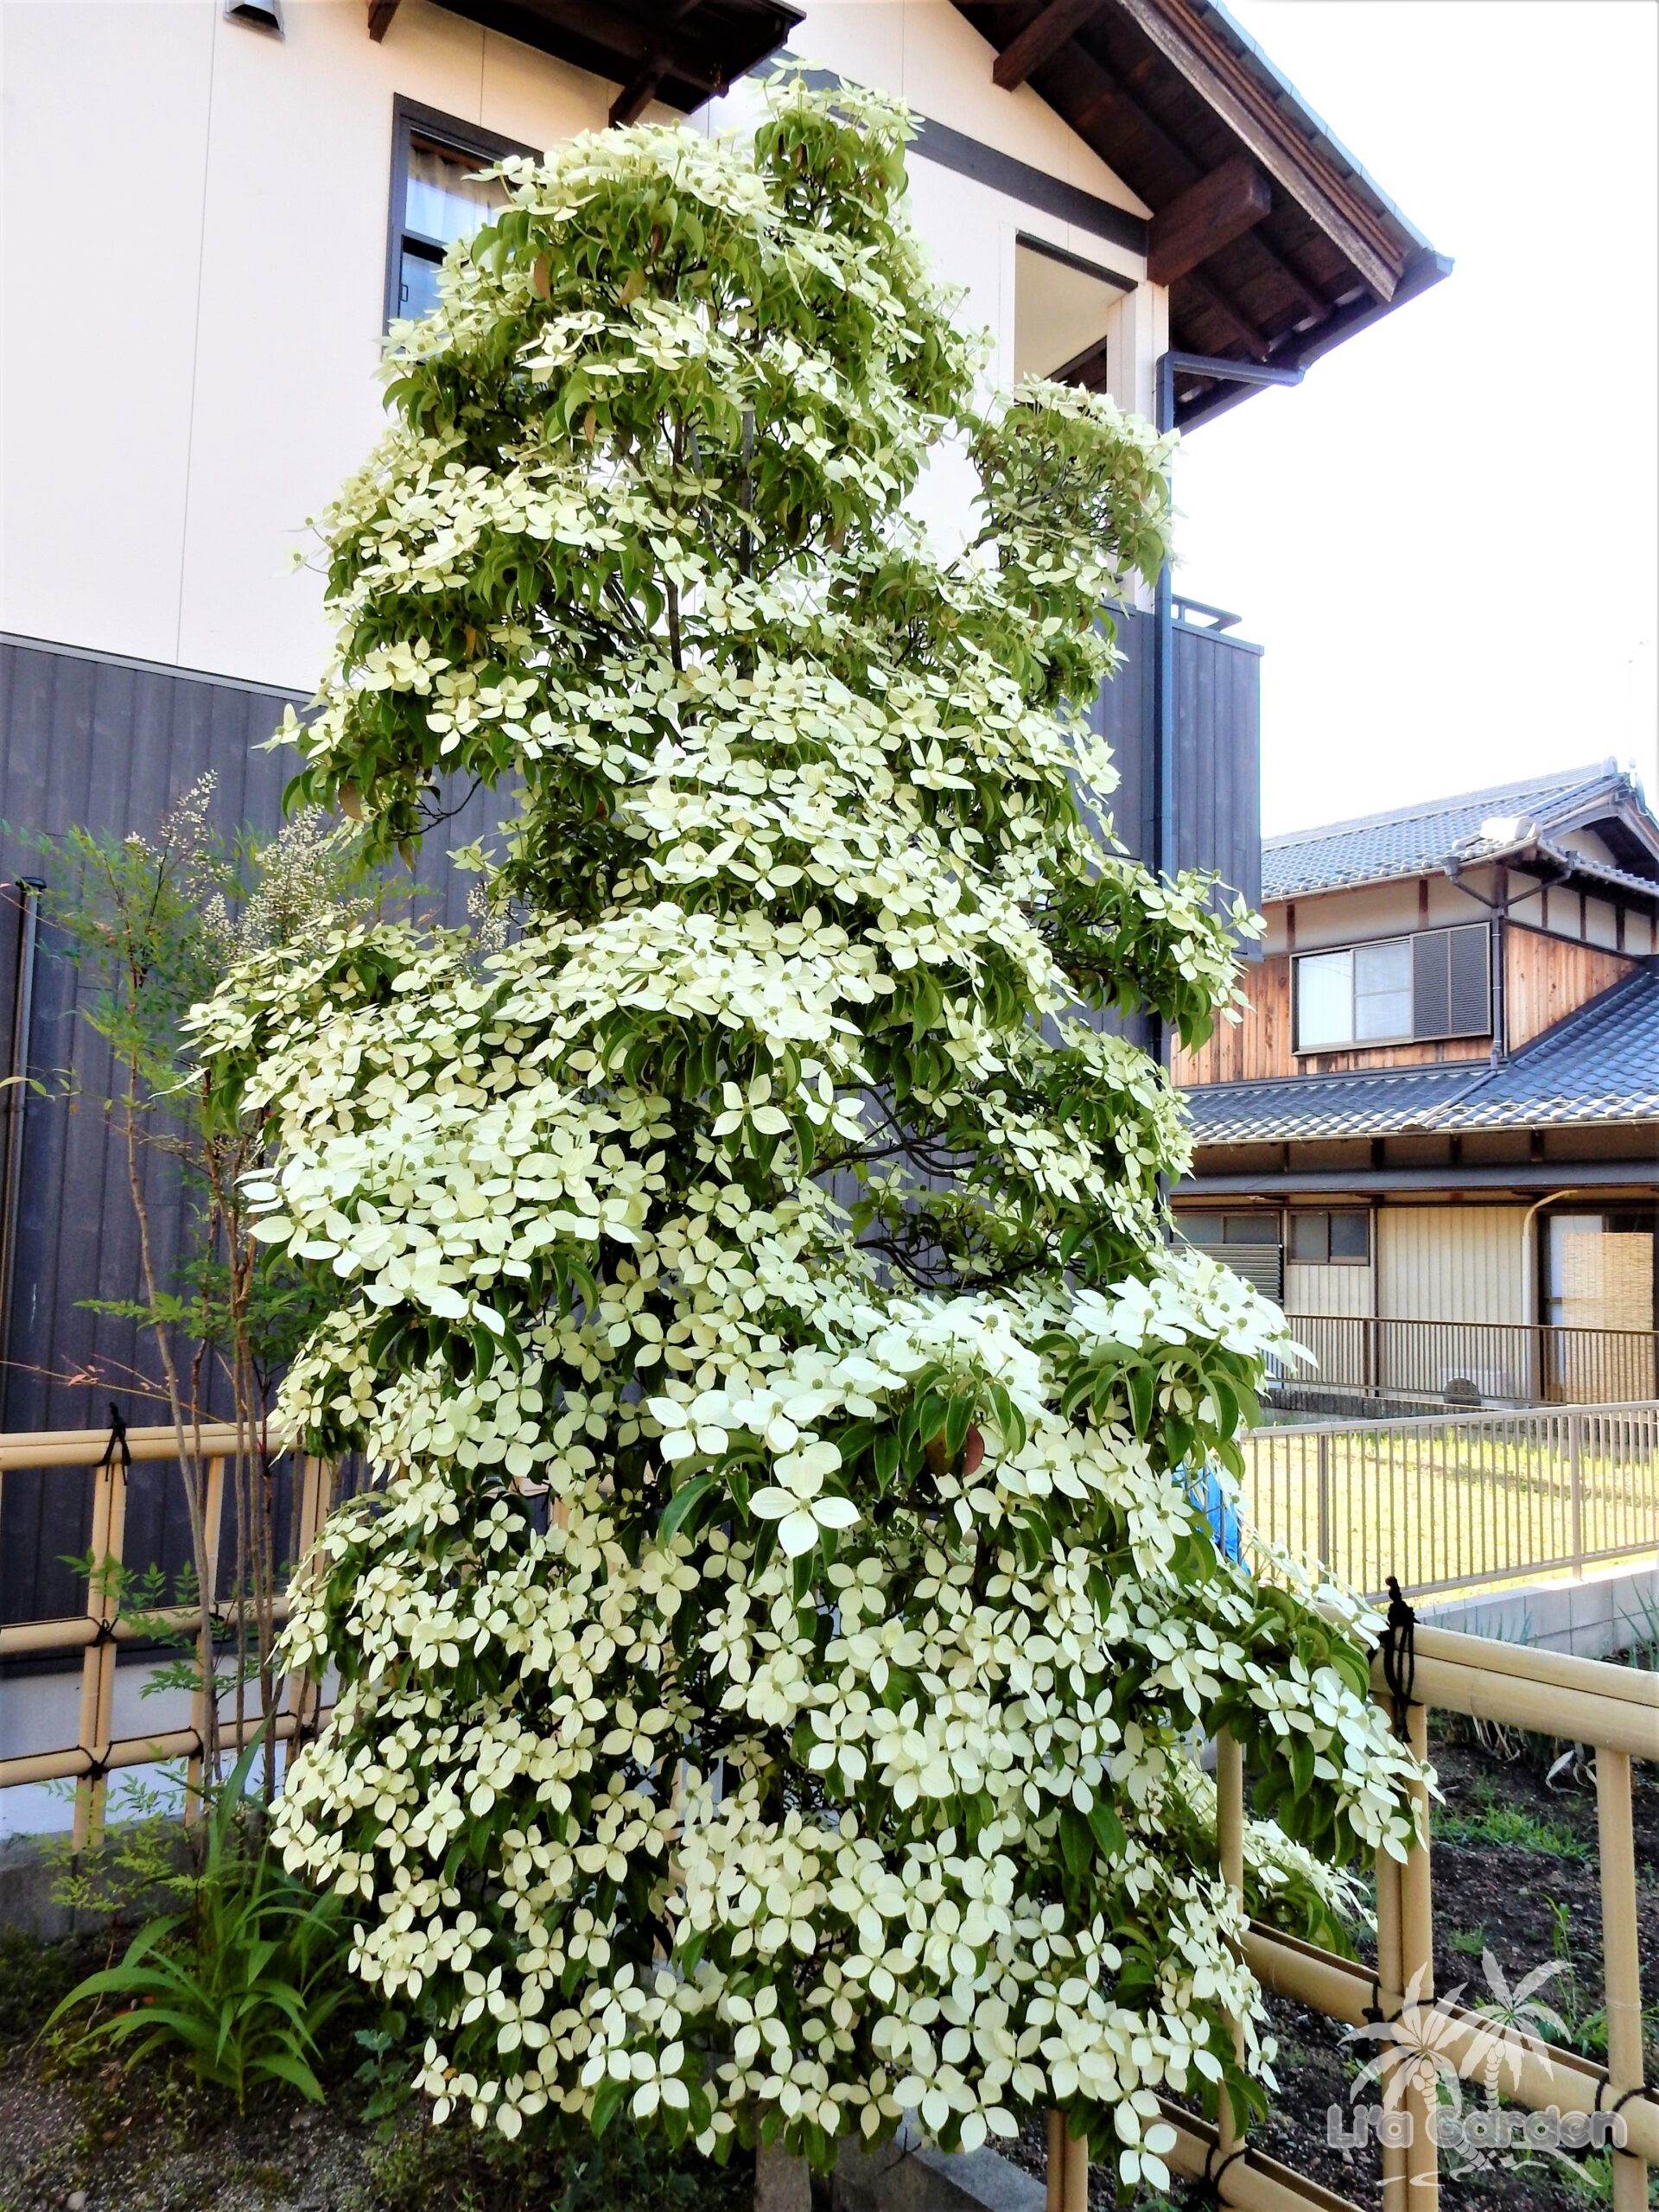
x=1575, y=1476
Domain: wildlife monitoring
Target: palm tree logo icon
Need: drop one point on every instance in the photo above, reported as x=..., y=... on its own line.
x=1434, y=2045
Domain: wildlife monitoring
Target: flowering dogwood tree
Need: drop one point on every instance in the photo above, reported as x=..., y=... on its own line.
x=769, y=1657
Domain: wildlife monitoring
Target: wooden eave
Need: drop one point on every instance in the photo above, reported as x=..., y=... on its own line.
x=677, y=52
x=1302, y=251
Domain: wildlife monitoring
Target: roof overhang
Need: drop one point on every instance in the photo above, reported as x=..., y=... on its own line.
x=1524, y=1178
x=679, y=52
x=1274, y=243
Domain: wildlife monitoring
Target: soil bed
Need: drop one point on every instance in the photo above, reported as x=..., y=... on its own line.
x=1514, y=1870
x=1514, y=1873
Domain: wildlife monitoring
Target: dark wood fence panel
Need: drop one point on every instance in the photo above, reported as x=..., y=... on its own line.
x=111, y=744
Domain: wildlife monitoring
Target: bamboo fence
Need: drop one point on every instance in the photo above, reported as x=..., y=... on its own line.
x=1613, y=1709
x=98, y=1632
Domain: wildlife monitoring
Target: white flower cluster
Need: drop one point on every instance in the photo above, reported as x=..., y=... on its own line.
x=770, y=1643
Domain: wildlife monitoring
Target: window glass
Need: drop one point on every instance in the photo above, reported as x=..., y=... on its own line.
x=1199, y=1228
x=443, y=200
x=419, y=292
x=1382, y=989
x=1350, y=1236
x=1325, y=1000
x=1252, y=1228
x=1310, y=1239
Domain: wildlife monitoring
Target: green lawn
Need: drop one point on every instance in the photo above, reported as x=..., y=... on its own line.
x=1451, y=1506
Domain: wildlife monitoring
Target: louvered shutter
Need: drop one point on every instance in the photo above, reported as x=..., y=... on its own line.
x=1261, y=1264
x=1431, y=984
x=1469, y=963
x=1451, y=981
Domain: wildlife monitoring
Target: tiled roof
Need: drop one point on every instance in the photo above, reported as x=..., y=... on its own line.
x=1418, y=840
x=1599, y=1065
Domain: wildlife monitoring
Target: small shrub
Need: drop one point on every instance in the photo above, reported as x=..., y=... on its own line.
x=241, y=1984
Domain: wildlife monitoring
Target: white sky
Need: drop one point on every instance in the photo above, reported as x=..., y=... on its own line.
x=1447, y=538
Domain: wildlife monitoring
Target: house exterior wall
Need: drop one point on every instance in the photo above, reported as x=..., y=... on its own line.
x=1546, y=977
x=1451, y=1263
x=1343, y=1291
x=183, y=392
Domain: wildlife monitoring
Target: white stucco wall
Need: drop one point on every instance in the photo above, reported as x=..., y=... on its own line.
x=193, y=246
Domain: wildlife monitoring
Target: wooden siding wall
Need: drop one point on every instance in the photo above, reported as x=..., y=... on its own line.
x=1545, y=978
x=110, y=745
x=1451, y=1263
x=1217, y=749
x=1328, y=1290
x=1262, y=1045
x=1218, y=759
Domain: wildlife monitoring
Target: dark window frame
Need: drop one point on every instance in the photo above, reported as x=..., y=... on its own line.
x=409, y=119
x=1300, y=1216
x=1414, y=1035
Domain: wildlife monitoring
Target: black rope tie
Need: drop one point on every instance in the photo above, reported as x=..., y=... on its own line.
x=1616, y=2108
x=118, y=1445
x=1400, y=1656
x=1205, y=2189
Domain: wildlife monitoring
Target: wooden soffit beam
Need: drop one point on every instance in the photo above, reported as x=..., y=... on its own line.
x=1219, y=78
x=1207, y=216
x=1042, y=36
x=380, y=14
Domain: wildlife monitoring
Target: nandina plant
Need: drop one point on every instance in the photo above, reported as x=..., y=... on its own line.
x=768, y=1653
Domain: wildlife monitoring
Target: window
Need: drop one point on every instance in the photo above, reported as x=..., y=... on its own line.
x=436, y=198
x=1064, y=307
x=1331, y=1240
x=1434, y=984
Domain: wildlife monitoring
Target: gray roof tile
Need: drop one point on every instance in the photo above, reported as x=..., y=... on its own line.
x=1421, y=839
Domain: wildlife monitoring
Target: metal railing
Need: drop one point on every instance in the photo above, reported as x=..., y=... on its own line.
x=97, y=1633
x=1471, y=1362
x=1454, y=1502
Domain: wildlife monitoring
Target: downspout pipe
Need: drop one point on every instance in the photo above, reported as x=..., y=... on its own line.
x=1162, y=857
x=14, y=1105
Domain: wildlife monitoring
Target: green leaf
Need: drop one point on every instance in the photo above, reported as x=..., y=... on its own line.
x=682, y=1503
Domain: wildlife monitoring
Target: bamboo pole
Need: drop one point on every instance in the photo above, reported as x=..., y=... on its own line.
x=130, y=1751
x=1579, y=1716
x=97, y=1676
x=1391, y=1995
x=1526, y=1662
x=1229, y=1849
x=29, y=1639
x=1417, y=1971
x=1621, y=1960
x=1254, y=2182
x=1074, y=2195
x=212, y=1519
